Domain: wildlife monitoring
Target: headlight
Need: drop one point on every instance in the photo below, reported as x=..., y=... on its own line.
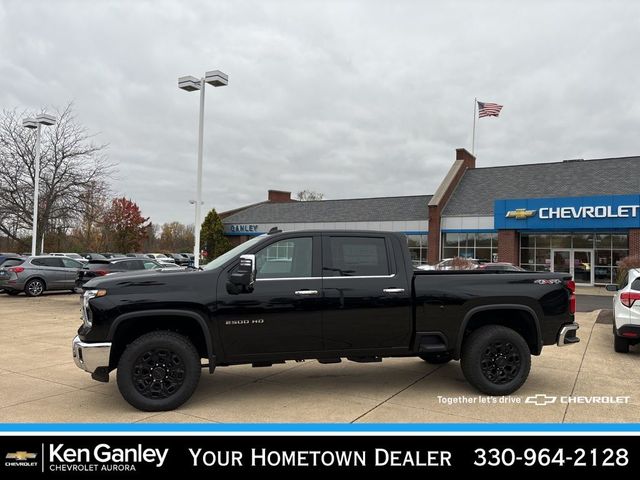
x=86, y=311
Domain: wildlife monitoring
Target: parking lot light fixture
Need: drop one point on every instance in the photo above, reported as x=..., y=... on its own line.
x=190, y=83
x=36, y=124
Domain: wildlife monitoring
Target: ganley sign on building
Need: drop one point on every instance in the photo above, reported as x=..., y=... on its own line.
x=568, y=213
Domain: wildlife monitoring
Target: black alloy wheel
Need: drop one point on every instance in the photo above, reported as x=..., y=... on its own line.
x=158, y=371
x=495, y=359
x=500, y=362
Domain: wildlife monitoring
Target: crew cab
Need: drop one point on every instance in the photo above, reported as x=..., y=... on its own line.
x=324, y=295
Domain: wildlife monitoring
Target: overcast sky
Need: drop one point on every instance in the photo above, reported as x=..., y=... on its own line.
x=352, y=99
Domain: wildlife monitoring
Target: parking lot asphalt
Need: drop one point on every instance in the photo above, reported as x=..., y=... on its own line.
x=40, y=383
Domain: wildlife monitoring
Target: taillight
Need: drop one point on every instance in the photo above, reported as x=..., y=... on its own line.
x=629, y=298
x=16, y=269
x=571, y=285
x=100, y=273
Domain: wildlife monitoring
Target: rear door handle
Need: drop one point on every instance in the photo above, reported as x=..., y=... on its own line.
x=306, y=293
x=393, y=290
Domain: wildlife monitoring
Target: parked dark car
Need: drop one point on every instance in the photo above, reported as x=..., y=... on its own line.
x=100, y=268
x=324, y=295
x=180, y=260
x=10, y=260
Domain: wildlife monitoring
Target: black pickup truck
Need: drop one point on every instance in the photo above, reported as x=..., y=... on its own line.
x=324, y=295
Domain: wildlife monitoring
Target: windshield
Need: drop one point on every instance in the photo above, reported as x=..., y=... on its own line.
x=234, y=252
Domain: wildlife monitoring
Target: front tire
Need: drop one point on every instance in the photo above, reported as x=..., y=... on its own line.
x=34, y=287
x=620, y=344
x=439, y=358
x=496, y=360
x=158, y=371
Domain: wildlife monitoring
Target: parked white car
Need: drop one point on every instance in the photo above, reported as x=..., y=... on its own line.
x=162, y=258
x=626, y=311
x=450, y=264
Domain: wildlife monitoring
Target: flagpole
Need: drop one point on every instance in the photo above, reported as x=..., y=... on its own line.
x=473, y=137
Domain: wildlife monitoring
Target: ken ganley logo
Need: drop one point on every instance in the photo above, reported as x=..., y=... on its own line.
x=103, y=458
x=20, y=459
x=520, y=213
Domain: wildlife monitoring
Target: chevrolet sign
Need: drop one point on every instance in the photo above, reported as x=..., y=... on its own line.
x=598, y=212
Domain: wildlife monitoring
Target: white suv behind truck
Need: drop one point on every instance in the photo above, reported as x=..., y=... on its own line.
x=626, y=311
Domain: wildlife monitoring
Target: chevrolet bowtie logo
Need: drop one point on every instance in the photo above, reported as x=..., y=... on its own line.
x=541, y=399
x=22, y=456
x=520, y=213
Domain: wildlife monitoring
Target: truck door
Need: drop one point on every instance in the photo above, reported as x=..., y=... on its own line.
x=283, y=313
x=367, y=295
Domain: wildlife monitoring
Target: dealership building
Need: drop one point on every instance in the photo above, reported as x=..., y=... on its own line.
x=575, y=216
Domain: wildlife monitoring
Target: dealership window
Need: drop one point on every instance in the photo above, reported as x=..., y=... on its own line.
x=481, y=246
x=608, y=249
x=418, y=248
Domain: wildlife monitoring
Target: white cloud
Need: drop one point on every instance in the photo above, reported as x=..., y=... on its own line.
x=348, y=98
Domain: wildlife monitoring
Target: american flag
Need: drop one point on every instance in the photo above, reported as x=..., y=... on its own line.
x=488, y=109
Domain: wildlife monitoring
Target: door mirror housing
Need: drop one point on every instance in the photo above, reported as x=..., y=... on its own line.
x=243, y=278
x=611, y=287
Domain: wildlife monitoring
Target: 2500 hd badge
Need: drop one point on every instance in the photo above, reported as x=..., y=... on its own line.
x=321, y=295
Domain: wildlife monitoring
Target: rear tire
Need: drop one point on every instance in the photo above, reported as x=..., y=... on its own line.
x=496, y=360
x=439, y=358
x=34, y=287
x=158, y=371
x=620, y=344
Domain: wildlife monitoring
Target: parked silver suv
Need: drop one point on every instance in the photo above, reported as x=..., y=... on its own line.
x=38, y=274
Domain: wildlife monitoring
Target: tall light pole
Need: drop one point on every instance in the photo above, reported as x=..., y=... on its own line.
x=190, y=84
x=36, y=123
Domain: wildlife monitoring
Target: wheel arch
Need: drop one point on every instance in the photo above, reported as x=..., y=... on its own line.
x=526, y=323
x=129, y=326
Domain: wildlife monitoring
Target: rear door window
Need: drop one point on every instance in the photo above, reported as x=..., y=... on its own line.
x=48, y=262
x=357, y=257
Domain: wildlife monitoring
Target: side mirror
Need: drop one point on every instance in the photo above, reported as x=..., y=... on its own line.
x=611, y=287
x=243, y=278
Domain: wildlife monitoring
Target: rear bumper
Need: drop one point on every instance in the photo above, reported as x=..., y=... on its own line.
x=630, y=331
x=90, y=356
x=567, y=334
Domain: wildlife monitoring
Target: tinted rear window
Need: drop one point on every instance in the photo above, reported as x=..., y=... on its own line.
x=357, y=256
x=47, y=262
x=636, y=284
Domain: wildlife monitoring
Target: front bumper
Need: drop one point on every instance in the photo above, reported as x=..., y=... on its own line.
x=91, y=356
x=567, y=334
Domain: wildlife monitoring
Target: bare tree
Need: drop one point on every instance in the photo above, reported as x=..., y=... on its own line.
x=308, y=195
x=71, y=167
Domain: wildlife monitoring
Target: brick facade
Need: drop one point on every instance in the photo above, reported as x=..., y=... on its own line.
x=509, y=246
x=634, y=242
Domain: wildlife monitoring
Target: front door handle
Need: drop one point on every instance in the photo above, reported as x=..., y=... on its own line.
x=306, y=293
x=393, y=290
